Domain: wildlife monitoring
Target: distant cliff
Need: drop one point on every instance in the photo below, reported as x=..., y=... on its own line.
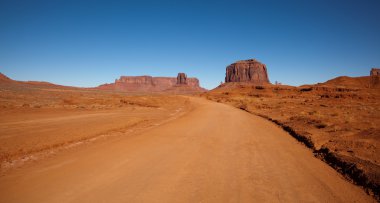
x=151, y=84
x=247, y=71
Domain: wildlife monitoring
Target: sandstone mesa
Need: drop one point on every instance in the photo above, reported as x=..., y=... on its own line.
x=247, y=71
x=152, y=84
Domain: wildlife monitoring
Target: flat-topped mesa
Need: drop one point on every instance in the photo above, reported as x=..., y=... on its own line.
x=375, y=71
x=151, y=84
x=247, y=71
x=181, y=79
x=135, y=79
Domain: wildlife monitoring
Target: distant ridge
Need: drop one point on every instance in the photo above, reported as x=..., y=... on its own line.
x=4, y=78
x=39, y=84
x=179, y=84
x=145, y=83
x=353, y=82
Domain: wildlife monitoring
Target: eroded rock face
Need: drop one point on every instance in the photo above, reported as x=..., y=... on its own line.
x=375, y=78
x=375, y=72
x=193, y=82
x=150, y=84
x=247, y=71
x=181, y=79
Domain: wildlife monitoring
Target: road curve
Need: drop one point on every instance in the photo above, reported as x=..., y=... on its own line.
x=215, y=153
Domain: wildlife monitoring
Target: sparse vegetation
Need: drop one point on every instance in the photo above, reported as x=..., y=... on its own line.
x=307, y=89
x=320, y=114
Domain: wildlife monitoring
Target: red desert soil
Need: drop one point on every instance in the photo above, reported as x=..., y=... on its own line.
x=338, y=119
x=37, y=117
x=214, y=153
x=156, y=148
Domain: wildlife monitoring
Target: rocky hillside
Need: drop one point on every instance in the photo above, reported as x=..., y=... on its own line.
x=4, y=78
x=345, y=81
x=372, y=81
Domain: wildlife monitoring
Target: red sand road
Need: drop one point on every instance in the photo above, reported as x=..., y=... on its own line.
x=215, y=153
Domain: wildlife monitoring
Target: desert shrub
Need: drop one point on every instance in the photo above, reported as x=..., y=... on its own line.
x=253, y=95
x=306, y=89
x=334, y=114
x=26, y=105
x=259, y=87
x=138, y=103
x=68, y=102
x=243, y=106
x=320, y=125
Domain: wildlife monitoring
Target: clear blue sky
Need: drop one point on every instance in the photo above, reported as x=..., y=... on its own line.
x=87, y=43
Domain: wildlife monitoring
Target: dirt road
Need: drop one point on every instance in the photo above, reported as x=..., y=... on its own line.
x=215, y=153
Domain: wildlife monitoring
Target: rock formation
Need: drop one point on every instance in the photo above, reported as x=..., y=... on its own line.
x=181, y=79
x=375, y=78
x=375, y=72
x=247, y=71
x=151, y=84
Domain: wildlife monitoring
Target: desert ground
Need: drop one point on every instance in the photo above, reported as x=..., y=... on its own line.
x=65, y=144
x=37, y=117
x=339, y=120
